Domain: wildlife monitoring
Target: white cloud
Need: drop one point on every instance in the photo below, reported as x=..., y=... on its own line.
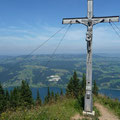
x=104, y=38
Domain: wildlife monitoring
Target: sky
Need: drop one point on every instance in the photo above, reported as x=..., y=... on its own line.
x=25, y=24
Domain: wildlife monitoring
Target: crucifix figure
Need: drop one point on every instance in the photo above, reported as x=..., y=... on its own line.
x=89, y=21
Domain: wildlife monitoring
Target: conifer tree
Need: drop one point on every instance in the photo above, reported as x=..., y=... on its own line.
x=56, y=96
x=7, y=99
x=70, y=87
x=38, y=99
x=61, y=92
x=48, y=94
x=15, y=98
x=47, y=98
x=2, y=99
x=83, y=84
x=73, y=88
x=26, y=94
x=95, y=88
x=38, y=95
x=76, y=83
x=7, y=96
x=52, y=96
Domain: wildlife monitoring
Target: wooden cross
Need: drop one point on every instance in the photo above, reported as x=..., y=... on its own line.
x=89, y=21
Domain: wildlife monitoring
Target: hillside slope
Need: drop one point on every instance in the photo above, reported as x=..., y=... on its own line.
x=63, y=109
x=37, y=73
x=60, y=110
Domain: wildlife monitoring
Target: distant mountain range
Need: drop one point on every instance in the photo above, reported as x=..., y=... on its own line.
x=42, y=70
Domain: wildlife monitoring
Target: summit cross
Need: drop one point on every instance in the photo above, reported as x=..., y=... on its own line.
x=89, y=21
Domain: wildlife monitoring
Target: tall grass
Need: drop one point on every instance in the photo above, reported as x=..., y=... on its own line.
x=61, y=110
x=112, y=104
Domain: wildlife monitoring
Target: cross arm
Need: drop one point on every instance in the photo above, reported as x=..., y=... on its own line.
x=75, y=20
x=105, y=19
x=94, y=20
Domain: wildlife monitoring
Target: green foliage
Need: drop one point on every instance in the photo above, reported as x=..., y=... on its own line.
x=112, y=104
x=80, y=102
x=83, y=84
x=76, y=89
x=7, y=99
x=61, y=92
x=95, y=88
x=2, y=99
x=61, y=110
x=52, y=97
x=26, y=94
x=19, y=96
x=38, y=99
x=47, y=98
x=73, y=87
x=57, y=96
x=15, y=98
x=7, y=96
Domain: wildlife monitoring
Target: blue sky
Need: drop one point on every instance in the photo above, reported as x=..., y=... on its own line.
x=25, y=24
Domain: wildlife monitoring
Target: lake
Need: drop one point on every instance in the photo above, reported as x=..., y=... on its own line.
x=43, y=92
x=111, y=93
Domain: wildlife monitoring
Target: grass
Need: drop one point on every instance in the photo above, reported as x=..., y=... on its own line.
x=63, y=109
x=57, y=111
x=111, y=104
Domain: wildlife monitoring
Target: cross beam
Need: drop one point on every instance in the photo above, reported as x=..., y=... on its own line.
x=89, y=21
x=94, y=20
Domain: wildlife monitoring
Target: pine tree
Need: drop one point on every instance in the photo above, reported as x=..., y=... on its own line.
x=38, y=95
x=56, y=96
x=48, y=94
x=7, y=99
x=47, y=98
x=2, y=99
x=61, y=92
x=7, y=96
x=83, y=84
x=14, y=98
x=52, y=96
x=76, y=83
x=70, y=87
x=95, y=88
x=26, y=94
x=73, y=88
x=38, y=99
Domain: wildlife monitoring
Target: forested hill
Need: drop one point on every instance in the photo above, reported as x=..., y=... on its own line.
x=41, y=70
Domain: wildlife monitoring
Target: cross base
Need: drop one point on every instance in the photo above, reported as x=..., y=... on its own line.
x=89, y=113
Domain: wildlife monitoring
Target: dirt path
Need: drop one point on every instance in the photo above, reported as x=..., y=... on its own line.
x=77, y=117
x=105, y=113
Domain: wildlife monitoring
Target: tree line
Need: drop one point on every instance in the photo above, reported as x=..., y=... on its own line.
x=76, y=88
x=19, y=96
x=22, y=96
